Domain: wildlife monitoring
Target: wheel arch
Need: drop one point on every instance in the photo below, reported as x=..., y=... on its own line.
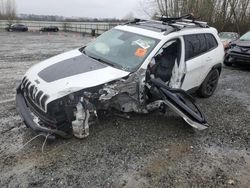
x=214, y=67
x=218, y=67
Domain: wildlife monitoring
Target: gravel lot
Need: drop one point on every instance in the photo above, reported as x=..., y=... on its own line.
x=145, y=151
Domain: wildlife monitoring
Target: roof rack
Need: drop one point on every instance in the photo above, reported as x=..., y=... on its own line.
x=178, y=23
x=173, y=19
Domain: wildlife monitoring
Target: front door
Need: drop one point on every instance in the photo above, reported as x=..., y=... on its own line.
x=168, y=63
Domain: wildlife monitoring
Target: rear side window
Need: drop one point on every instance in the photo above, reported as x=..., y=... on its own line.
x=211, y=42
x=198, y=44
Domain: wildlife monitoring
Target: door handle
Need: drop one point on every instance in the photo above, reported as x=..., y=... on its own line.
x=209, y=59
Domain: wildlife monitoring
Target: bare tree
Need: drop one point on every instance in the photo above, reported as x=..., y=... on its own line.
x=231, y=15
x=7, y=9
x=1, y=8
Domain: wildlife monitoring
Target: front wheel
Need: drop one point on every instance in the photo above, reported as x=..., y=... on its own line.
x=226, y=61
x=209, y=85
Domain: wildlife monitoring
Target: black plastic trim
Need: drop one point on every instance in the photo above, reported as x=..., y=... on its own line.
x=172, y=96
x=28, y=118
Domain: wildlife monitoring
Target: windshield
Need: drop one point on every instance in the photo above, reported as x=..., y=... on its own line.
x=225, y=35
x=120, y=49
x=245, y=37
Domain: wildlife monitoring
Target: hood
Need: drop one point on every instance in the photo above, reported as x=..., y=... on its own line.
x=70, y=72
x=242, y=43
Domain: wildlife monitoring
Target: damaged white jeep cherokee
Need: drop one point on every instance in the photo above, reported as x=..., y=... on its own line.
x=140, y=66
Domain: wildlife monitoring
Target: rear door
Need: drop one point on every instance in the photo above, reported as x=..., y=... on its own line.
x=196, y=60
x=182, y=103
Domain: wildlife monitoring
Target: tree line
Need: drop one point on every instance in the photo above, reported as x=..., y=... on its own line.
x=225, y=15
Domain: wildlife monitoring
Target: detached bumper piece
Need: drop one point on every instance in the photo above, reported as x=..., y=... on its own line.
x=182, y=103
x=31, y=120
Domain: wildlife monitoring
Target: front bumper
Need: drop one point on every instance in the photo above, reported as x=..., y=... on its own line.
x=237, y=57
x=31, y=120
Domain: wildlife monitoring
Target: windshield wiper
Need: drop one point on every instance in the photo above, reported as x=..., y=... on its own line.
x=102, y=61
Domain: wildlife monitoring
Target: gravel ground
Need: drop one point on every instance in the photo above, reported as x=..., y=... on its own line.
x=144, y=151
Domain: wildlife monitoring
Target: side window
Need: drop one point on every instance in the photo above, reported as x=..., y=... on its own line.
x=198, y=44
x=194, y=45
x=189, y=46
x=166, y=59
x=211, y=42
x=172, y=47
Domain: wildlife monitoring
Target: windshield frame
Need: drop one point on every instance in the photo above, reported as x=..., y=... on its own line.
x=116, y=65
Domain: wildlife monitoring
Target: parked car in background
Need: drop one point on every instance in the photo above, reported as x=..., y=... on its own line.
x=239, y=51
x=17, y=27
x=49, y=29
x=228, y=37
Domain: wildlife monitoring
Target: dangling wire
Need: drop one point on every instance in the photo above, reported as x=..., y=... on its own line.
x=25, y=144
x=45, y=142
x=29, y=142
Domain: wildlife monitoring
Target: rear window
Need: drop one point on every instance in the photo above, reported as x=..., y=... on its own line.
x=198, y=44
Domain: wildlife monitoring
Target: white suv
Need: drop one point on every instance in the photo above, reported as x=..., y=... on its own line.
x=140, y=66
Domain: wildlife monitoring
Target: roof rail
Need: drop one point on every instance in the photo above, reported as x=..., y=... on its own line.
x=189, y=18
x=177, y=26
x=200, y=23
x=134, y=21
x=169, y=19
x=177, y=23
x=138, y=20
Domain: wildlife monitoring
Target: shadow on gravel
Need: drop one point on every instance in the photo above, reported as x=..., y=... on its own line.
x=241, y=67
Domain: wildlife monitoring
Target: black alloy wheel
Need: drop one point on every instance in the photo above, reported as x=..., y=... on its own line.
x=209, y=85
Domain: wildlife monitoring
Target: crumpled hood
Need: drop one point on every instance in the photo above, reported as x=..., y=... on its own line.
x=70, y=72
x=242, y=43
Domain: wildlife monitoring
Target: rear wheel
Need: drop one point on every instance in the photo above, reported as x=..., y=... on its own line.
x=209, y=85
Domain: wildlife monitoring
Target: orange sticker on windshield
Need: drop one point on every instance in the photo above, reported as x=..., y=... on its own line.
x=140, y=52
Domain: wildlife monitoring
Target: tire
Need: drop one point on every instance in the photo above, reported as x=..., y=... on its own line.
x=226, y=62
x=209, y=85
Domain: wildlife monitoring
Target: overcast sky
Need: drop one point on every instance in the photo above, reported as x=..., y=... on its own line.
x=79, y=8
